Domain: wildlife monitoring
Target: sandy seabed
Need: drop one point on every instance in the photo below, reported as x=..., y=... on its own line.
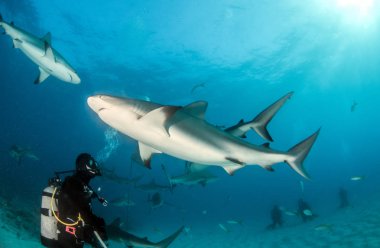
x=357, y=226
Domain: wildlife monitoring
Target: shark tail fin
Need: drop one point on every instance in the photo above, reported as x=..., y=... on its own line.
x=168, y=177
x=166, y=242
x=262, y=119
x=299, y=152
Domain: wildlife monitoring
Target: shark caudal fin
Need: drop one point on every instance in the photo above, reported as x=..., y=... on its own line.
x=299, y=152
x=166, y=242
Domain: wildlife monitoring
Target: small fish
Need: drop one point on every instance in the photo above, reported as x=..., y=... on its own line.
x=223, y=228
x=99, y=189
x=290, y=213
x=307, y=212
x=302, y=187
x=235, y=222
x=323, y=227
x=198, y=86
x=357, y=178
x=353, y=106
x=187, y=229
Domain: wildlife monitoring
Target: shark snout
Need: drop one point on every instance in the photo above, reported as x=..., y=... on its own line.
x=75, y=79
x=95, y=103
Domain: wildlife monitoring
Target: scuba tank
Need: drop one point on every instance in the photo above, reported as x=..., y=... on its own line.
x=49, y=232
x=49, y=212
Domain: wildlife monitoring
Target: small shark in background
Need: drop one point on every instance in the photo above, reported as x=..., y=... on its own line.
x=191, y=177
x=110, y=175
x=117, y=234
x=183, y=132
x=18, y=153
x=41, y=52
x=124, y=201
x=353, y=106
x=195, y=87
x=152, y=187
x=156, y=200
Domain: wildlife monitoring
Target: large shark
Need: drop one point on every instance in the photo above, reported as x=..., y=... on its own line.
x=131, y=241
x=184, y=133
x=41, y=52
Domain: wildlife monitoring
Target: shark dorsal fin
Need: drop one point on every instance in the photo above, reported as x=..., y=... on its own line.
x=146, y=153
x=160, y=116
x=47, y=38
x=197, y=109
x=49, y=51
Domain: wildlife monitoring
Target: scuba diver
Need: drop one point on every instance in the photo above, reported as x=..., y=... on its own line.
x=77, y=224
x=304, y=211
x=276, y=216
x=343, y=198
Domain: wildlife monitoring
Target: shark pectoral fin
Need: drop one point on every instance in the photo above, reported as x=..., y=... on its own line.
x=159, y=117
x=197, y=109
x=146, y=153
x=47, y=38
x=230, y=169
x=42, y=76
x=49, y=51
x=17, y=43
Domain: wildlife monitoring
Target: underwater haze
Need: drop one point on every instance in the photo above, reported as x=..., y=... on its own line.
x=240, y=57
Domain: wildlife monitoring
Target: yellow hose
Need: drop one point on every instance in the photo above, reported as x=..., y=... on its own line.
x=56, y=217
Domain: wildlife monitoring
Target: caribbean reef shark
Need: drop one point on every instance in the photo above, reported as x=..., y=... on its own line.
x=131, y=241
x=41, y=52
x=184, y=133
x=18, y=153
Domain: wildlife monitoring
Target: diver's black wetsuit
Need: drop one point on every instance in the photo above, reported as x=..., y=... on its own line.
x=74, y=198
x=276, y=216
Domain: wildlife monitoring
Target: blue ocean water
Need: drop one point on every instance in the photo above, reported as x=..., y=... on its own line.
x=239, y=56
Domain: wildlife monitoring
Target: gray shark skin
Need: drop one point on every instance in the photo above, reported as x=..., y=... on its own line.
x=260, y=122
x=152, y=187
x=182, y=132
x=124, y=201
x=193, y=176
x=41, y=52
x=114, y=232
